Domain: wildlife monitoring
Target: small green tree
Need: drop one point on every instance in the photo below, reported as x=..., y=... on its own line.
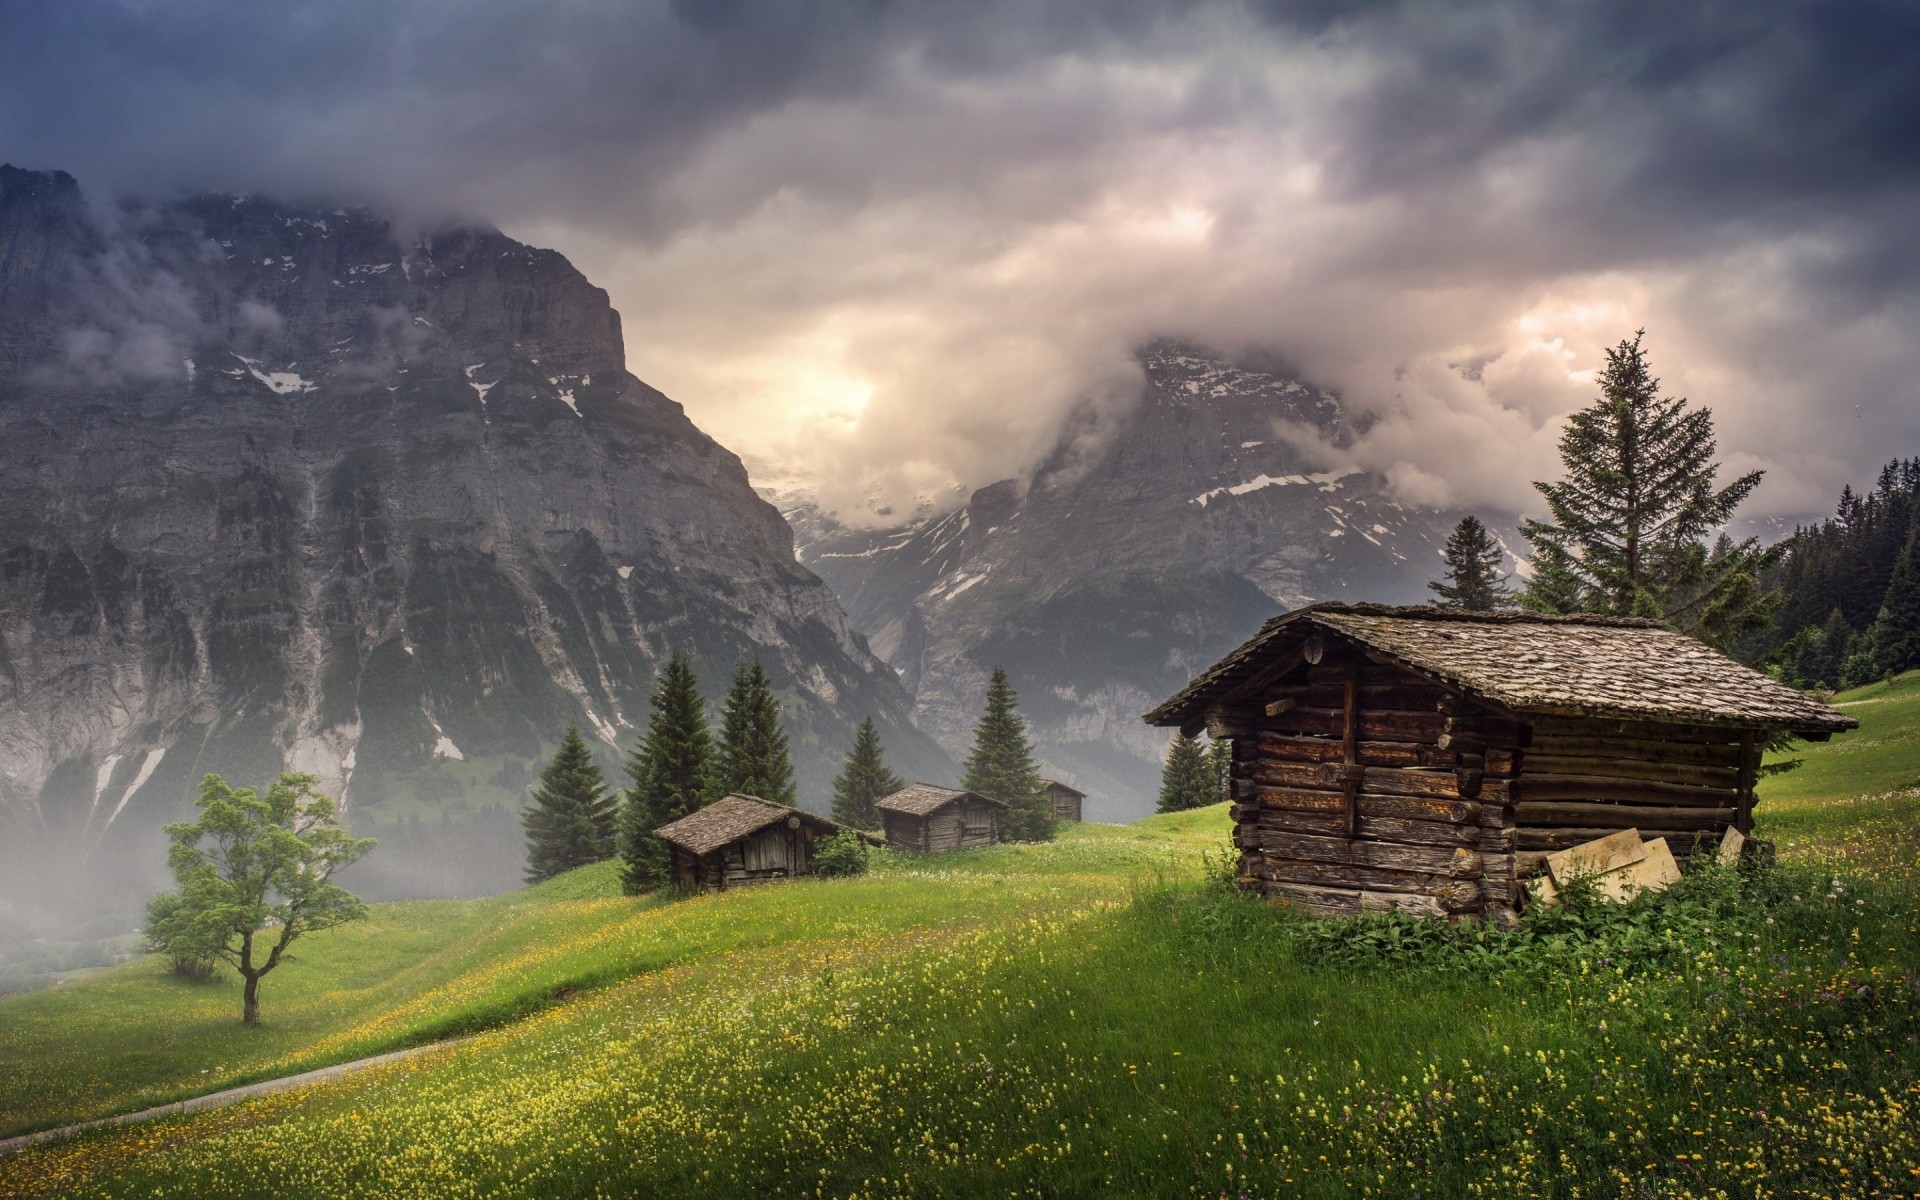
x=1631, y=519
x=1001, y=766
x=1220, y=761
x=191, y=949
x=672, y=773
x=1895, y=636
x=755, y=758
x=1473, y=579
x=863, y=781
x=255, y=873
x=1187, y=780
x=571, y=820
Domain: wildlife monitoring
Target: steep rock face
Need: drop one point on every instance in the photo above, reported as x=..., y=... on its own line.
x=285, y=489
x=1116, y=574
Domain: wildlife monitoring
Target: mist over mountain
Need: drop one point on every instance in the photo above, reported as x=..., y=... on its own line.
x=285, y=488
x=1137, y=555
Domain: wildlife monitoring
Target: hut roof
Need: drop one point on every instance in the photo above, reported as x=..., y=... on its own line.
x=1065, y=787
x=920, y=799
x=729, y=819
x=1585, y=666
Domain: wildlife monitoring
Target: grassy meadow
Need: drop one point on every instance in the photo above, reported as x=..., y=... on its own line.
x=1091, y=1017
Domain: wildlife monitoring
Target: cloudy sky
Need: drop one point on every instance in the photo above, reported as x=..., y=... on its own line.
x=889, y=247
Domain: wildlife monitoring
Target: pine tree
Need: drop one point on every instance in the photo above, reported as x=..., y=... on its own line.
x=1896, y=631
x=672, y=773
x=1001, y=766
x=863, y=781
x=755, y=758
x=1187, y=780
x=571, y=820
x=1630, y=521
x=1473, y=580
x=1220, y=760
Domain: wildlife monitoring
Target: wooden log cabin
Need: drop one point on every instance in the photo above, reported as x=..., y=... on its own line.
x=1429, y=760
x=739, y=840
x=931, y=820
x=1065, y=801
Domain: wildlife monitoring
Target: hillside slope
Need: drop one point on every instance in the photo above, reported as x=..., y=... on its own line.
x=1084, y=1018
x=291, y=488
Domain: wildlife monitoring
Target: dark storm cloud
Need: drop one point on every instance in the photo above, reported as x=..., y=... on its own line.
x=898, y=244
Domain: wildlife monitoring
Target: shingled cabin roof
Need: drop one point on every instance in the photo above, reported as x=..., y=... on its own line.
x=1065, y=787
x=920, y=799
x=1579, y=666
x=729, y=819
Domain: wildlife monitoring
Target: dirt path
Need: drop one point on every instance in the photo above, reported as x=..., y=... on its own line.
x=234, y=1095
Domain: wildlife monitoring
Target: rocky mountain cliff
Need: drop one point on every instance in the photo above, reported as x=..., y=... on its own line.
x=284, y=488
x=1108, y=581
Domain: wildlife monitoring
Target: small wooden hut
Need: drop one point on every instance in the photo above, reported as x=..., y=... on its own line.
x=739, y=840
x=1429, y=759
x=1064, y=800
x=932, y=820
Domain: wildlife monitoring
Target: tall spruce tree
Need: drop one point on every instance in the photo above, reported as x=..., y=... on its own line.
x=1187, y=780
x=755, y=757
x=1895, y=636
x=1001, y=766
x=1220, y=760
x=672, y=773
x=1631, y=519
x=1473, y=579
x=863, y=781
x=571, y=820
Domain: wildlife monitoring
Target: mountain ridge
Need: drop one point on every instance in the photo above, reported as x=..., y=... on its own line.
x=285, y=490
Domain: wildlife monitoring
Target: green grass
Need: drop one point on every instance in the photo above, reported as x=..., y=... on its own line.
x=1084, y=1018
x=1855, y=801
x=135, y=1036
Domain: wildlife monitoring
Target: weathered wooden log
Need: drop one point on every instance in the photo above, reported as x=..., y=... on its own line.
x=1392, y=856
x=1387, y=829
x=1321, y=901
x=1327, y=749
x=1501, y=762
x=1623, y=816
x=1293, y=870
x=1459, y=895
x=1233, y=724
x=1467, y=780
x=1653, y=731
x=1413, y=902
x=1559, y=838
x=1388, y=780
x=1638, y=749
x=1375, y=725
x=1643, y=791
x=1692, y=774
x=1369, y=804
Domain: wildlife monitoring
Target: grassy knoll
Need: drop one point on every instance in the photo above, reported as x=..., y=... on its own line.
x=135, y=1036
x=1095, y=1018
x=1855, y=801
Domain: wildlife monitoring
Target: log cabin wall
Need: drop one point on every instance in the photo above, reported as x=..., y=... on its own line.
x=1583, y=778
x=1401, y=814
x=956, y=826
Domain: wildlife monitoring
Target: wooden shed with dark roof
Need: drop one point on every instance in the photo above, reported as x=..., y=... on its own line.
x=739, y=840
x=932, y=820
x=1063, y=799
x=1430, y=759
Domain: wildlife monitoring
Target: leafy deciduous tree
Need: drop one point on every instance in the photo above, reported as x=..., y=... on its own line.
x=255, y=873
